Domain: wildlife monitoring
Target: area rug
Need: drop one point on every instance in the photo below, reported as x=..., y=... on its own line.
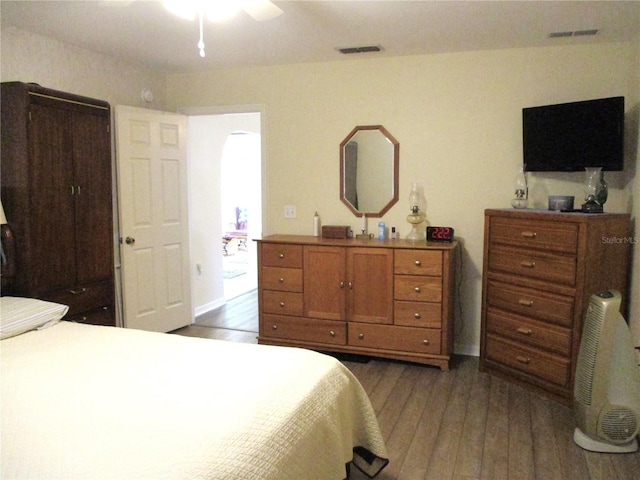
x=227, y=274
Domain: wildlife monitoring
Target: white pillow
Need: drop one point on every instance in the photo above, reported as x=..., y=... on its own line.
x=19, y=315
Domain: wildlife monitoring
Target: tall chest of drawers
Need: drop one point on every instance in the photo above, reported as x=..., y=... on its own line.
x=390, y=298
x=540, y=268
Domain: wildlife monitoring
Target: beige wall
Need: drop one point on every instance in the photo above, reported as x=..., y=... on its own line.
x=456, y=116
x=458, y=120
x=27, y=57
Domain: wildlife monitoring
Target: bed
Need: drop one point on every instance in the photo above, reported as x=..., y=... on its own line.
x=84, y=401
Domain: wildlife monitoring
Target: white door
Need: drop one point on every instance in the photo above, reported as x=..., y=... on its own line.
x=152, y=194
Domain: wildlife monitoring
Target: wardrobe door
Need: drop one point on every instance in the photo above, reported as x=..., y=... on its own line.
x=52, y=260
x=93, y=204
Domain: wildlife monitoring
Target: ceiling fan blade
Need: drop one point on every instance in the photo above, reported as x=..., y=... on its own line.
x=116, y=3
x=261, y=9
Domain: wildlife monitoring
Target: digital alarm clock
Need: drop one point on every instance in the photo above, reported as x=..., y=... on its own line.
x=439, y=234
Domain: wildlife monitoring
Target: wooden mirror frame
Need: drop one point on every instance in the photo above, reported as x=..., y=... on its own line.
x=396, y=161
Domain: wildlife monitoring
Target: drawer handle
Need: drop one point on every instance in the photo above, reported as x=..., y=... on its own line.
x=281, y=255
x=341, y=284
x=524, y=331
x=525, y=303
x=282, y=304
x=350, y=285
x=417, y=316
x=527, y=264
x=522, y=359
x=332, y=333
x=275, y=327
x=417, y=289
x=425, y=342
x=529, y=234
x=77, y=291
x=418, y=263
x=361, y=336
x=281, y=280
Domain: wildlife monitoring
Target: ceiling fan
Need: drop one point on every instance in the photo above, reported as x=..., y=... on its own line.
x=213, y=10
x=220, y=10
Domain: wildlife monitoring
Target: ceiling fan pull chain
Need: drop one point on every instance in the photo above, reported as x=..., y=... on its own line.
x=201, y=42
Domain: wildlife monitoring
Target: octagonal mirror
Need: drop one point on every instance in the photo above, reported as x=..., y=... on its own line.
x=369, y=158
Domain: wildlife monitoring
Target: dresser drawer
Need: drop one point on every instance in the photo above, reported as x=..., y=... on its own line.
x=389, y=337
x=101, y=316
x=538, y=234
x=532, y=361
x=557, y=309
x=417, y=288
x=418, y=262
x=281, y=255
x=533, y=264
x=530, y=332
x=84, y=298
x=282, y=279
x=284, y=303
x=304, y=329
x=417, y=314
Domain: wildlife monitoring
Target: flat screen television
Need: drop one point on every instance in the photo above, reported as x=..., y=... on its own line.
x=568, y=137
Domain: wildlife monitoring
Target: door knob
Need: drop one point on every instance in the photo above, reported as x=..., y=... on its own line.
x=129, y=240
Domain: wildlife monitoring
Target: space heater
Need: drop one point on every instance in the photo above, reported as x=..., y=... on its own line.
x=607, y=384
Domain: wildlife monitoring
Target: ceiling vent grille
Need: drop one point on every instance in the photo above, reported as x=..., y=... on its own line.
x=576, y=33
x=366, y=49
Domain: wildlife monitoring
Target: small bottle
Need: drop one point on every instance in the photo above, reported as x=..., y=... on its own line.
x=316, y=225
x=382, y=231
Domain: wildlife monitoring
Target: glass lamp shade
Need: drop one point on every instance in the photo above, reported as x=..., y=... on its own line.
x=521, y=190
x=595, y=190
x=417, y=206
x=3, y=218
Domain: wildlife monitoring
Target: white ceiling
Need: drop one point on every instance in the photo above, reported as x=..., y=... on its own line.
x=144, y=33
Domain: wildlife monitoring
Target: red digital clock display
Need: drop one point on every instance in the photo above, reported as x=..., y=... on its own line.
x=439, y=234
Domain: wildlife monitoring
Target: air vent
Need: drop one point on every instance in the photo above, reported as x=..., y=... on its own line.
x=367, y=49
x=576, y=33
x=560, y=34
x=585, y=33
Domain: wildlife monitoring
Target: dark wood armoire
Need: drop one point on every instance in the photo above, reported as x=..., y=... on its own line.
x=56, y=171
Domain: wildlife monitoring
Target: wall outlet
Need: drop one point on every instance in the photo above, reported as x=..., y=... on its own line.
x=289, y=211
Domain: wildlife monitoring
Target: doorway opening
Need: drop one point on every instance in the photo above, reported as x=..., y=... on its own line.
x=226, y=172
x=240, y=211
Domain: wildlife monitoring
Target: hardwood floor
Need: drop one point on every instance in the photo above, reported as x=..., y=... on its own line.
x=236, y=321
x=457, y=425
x=465, y=424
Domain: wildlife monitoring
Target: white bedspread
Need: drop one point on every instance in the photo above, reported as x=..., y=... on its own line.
x=81, y=401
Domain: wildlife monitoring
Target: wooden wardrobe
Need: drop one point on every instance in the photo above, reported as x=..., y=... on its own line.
x=57, y=196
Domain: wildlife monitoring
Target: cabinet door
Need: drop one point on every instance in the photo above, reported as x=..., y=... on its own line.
x=51, y=211
x=324, y=282
x=94, y=213
x=370, y=285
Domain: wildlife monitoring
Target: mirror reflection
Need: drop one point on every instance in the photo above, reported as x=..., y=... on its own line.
x=369, y=170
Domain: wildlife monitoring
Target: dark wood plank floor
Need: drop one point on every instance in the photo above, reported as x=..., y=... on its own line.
x=236, y=321
x=457, y=425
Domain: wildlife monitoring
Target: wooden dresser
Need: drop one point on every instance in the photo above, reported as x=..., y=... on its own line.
x=390, y=298
x=540, y=268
